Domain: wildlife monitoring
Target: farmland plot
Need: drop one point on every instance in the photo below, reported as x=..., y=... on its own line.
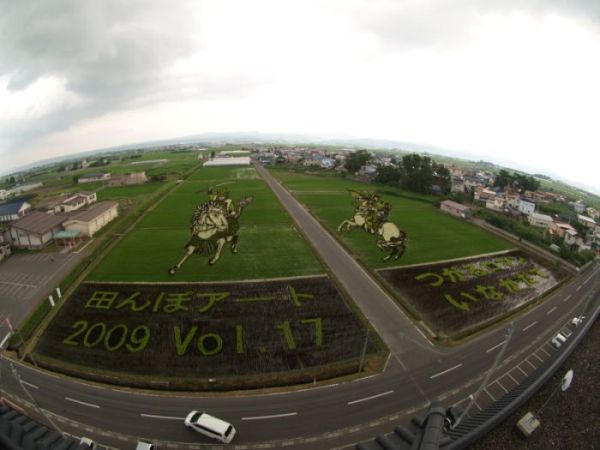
x=454, y=298
x=183, y=335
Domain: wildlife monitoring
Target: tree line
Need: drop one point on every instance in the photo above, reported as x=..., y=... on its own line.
x=412, y=172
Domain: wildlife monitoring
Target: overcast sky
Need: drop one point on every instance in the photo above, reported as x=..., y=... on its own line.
x=512, y=81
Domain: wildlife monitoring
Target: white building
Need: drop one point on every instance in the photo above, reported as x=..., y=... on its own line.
x=90, y=221
x=526, y=207
x=455, y=209
x=233, y=161
x=13, y=211
x=540, y=220
x=93, y=177
x=587, y=221
x=35, y=230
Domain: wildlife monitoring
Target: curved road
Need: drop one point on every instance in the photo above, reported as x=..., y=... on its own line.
x=319, y=417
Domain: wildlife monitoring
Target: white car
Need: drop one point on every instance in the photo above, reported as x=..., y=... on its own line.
x=576, y=321
x=558, y=340
x=141, y=445
x=210, y=426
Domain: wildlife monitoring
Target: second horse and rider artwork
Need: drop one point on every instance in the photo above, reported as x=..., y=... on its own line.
x=216, y=223
x=371, y=214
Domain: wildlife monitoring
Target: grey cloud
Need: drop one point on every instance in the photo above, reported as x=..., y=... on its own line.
x=99, y=48
x=441, y=23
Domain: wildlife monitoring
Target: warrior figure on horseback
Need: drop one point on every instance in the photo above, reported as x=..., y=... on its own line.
x=214, y=223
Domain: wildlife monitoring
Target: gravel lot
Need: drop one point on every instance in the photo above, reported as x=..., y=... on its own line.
x=571, y=419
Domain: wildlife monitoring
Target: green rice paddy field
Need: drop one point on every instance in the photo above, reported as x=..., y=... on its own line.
x=432, y=235
x=269, y=246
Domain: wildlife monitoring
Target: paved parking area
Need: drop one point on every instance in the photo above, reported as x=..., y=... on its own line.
x=26, y=278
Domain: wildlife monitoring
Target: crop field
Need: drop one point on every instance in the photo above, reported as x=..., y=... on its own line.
x=269, y=246
x=181, y=336
x=431, y=234
x=457, y=297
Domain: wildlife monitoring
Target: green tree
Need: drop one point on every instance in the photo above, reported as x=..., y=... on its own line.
x=356, y=160
x=388, y=175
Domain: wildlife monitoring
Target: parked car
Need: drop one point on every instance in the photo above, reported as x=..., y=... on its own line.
x=87, y=441
x=559, y=340
x=141, y=445
x=576, y=321
x=210, y=426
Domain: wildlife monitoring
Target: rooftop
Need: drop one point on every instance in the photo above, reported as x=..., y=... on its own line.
x=11, y=208
x=455, y=205
x=92, y=213
x=38, y=222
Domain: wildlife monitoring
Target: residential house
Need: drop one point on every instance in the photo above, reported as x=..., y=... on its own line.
x=593, y=213
x=94, y=177
x=574, y=242
x=458, y=184
x=496, y=204
x=484, y=194
x=540, y=220
x=455, y=209
x=35, y=230
x=24, y=188
x=526, y=207
x=560, y=228
x=471, y=182
x=512, y=199
x=587, y=221
x=3, y=194
x=13, y=211
x=579, y=207
x=68, y=203
x=90, y=221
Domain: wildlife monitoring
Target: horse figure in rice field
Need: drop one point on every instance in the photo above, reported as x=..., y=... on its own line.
x=371, y=214
x=214, y=223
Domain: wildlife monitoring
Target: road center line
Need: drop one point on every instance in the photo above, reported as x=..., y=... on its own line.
x=91, y=405
x=566, y=298
x=550, y=311
x=152, y=416
x=495, y=346
x=589, y=278
x=530, y=325
x=273, y=416
x=445, y=371
x=31, y=385
x=370, y=398
x=578, y=287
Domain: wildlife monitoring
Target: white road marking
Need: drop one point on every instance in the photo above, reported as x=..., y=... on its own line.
x=445, y=371
x=273, y=416
x=370, y=398
x=541, y=360
x=152, y=416
x=578, y=287
x=529, y=362
x=522, y=371
x=491, y=396
x=512, y=378
x=589, y=278
x=503, y=388
x=547, y=354
x=530, y=325
x=567, y=298
x=550, y=311
x=91, y=405
x=6, y=338
x=18, y=284
x=495, y=346
x=31, y=385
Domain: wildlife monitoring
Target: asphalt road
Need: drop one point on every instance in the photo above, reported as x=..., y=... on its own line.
x=327, y=416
